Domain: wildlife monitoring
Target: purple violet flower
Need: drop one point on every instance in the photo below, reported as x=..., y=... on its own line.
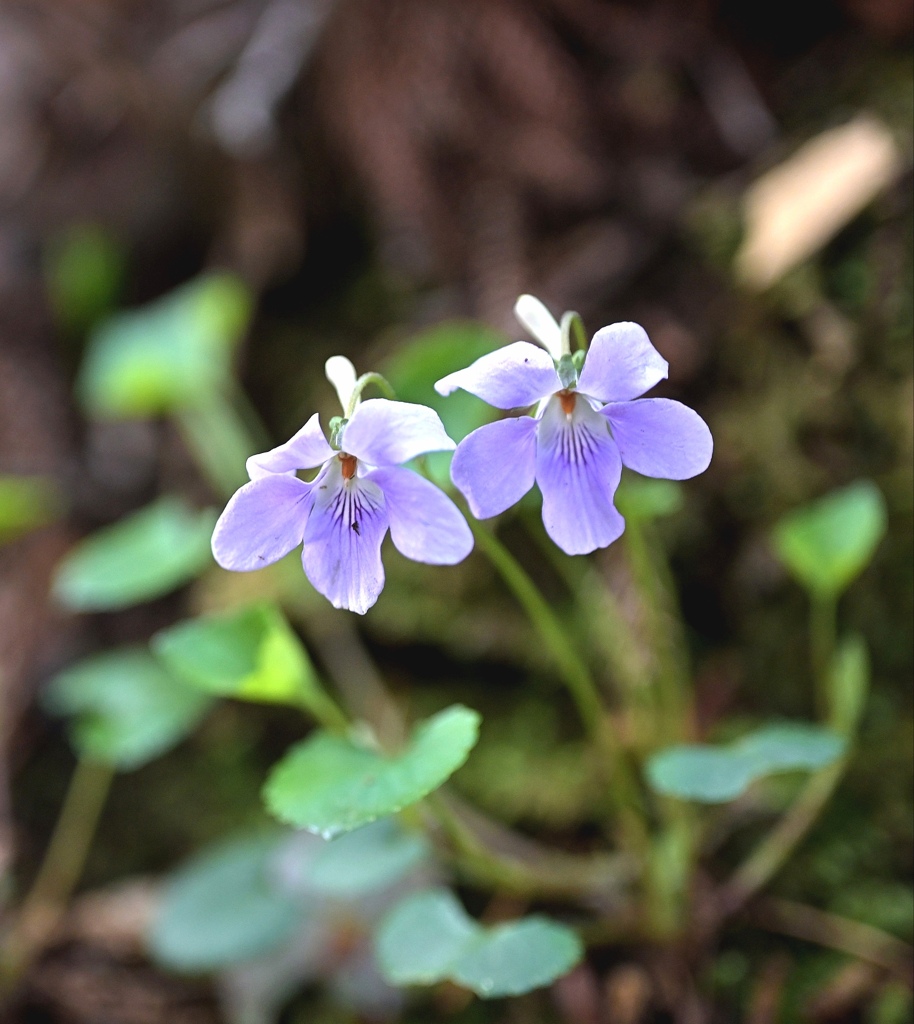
x=360, y=491
x=589, y=421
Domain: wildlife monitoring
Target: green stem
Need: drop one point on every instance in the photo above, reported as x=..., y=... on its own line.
x=62, y=866
x=553, y=875
x=319, y=706
x=578, y=680
x=574, y=672
x=823, y=634
x=219, y=441
x=778, y=845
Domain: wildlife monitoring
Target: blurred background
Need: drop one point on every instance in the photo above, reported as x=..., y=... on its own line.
x=734, y=176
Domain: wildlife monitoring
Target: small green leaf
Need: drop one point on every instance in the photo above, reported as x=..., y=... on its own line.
x=223, y=907
x=252, y=654
x=27, y=502
x=126, y=709
x=827, y=544
x=144, y=556
x=515, y=958
x=170, y=354
x=429, y=938
x=329, y=785
x=789, y=747
x=645, y=498
x=707, y=774
x=366, y=860
x=423, y=937
x=716, y=774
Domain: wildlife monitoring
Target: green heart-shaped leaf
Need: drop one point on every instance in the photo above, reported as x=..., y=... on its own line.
x=830, y=542
x=329, y=784
x=224, y=906
x=251, y=654
x=169, y=354
x=716, y=774
x=126, y=708
x=429, y=938
x=143, y=556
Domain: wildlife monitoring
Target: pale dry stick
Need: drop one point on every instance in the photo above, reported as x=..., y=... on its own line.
x=859, y=940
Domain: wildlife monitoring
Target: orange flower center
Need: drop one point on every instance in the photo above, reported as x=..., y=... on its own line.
x=568, y=399
x=348, y=463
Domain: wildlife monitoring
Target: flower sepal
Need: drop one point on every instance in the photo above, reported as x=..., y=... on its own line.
x=567, y=372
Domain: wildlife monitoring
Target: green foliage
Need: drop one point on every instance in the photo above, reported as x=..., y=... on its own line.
x=642, y=497
x=225, y=906
x=849, y=683
x=26, y=502
x=126, y=709
x=330, y=785
x=369, y=859
x=524, y=769
x=168, y=355
x=250, y=654
x=84, y=271
x=429, y=938
x=143, y=556
x=827, y=544
x=710, y=774
x=432, y=355
x=247, y=896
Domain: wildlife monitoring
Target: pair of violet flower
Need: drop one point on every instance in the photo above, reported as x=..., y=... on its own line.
x=588, y=421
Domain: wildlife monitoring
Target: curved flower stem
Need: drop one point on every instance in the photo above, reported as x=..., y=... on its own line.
x=380, y=382
x=579, y=681
x=571, y=666
x=62, y=866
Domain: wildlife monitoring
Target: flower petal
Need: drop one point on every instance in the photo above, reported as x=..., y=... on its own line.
x=512, y=377
x=307, y=449
x=578, y=470
x=385, y=433
x=495, y=466
x=425, y=524
x=660, y=437
x=341, y=374
x=621, y=364
x=540, y=323
x=263, y=521
x=342, y=550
